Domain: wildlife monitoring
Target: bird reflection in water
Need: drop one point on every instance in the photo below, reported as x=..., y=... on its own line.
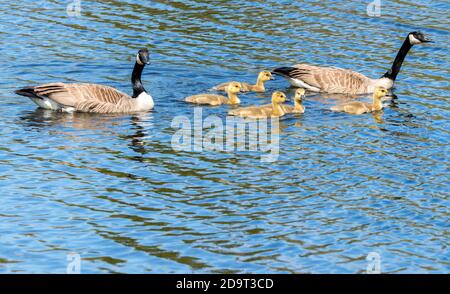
x=111, y=124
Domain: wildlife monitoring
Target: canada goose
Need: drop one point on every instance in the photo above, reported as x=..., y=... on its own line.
x=211, y=99
x=92, y=97
x=263, y=77
x=298, y=99
x=274, y=110
x=358, y=107
x=338, y=80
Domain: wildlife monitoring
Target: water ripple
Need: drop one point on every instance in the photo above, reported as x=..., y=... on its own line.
x=112, y=189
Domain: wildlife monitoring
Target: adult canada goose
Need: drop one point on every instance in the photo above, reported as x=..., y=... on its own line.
x=263, y=77
x=358, y=107
x=92, y=97
x=338, y=80
x=298, y=105
x=276, y=109
x=211, y=99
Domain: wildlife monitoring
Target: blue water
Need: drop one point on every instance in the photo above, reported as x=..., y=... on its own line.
x=113, y=190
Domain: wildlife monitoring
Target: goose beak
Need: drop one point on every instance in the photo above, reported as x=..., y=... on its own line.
x=427, y=40
x=145, y=59
x=143, y=56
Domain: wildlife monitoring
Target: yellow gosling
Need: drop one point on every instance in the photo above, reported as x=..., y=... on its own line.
x=263, y=77
x=210, y=99
x=298, y=102
x=357, y=107
x=275, y=109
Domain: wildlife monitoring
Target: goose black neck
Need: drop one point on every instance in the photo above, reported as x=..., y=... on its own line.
x=397, y=65
x=138, y=88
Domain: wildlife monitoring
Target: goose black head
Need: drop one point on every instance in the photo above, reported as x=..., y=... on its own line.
x=143, y=57
x=418, y=38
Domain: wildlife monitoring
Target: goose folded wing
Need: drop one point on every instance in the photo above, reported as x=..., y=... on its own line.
x=96, y=106
x=330, y=79
x=72, y=94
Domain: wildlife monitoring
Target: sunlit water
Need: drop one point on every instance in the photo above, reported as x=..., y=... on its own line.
x=112, y=189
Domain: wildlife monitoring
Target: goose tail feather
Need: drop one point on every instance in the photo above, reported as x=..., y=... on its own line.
x=284, y=71
x=27, y=92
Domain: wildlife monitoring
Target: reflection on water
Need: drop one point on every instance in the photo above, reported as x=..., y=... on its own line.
x=111, y=188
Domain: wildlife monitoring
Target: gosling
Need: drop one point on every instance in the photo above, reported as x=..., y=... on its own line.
x=358, y=107
x=297, y=108
x=276, y=109
x=298, y=102
x=263, y=77
x=210, y=99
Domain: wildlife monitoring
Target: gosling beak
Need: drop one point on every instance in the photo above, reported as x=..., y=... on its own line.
x=272, y=78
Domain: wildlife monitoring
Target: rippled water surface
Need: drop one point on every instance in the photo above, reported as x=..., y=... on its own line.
x=112, y=189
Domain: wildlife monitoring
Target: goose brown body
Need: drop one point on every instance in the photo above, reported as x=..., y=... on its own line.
x=88, y=98
x=332, y=79
x=85, y=97
x=343, y=81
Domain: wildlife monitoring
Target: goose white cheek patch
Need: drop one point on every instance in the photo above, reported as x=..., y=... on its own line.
x=138, y=60
x=413, y=40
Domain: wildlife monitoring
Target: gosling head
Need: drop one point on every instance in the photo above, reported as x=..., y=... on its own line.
x=265, y=76
x=234, y=88
x=143, y=57
x=278, y=97
x=299, y=94
x=380, y=92
x=418, y=38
